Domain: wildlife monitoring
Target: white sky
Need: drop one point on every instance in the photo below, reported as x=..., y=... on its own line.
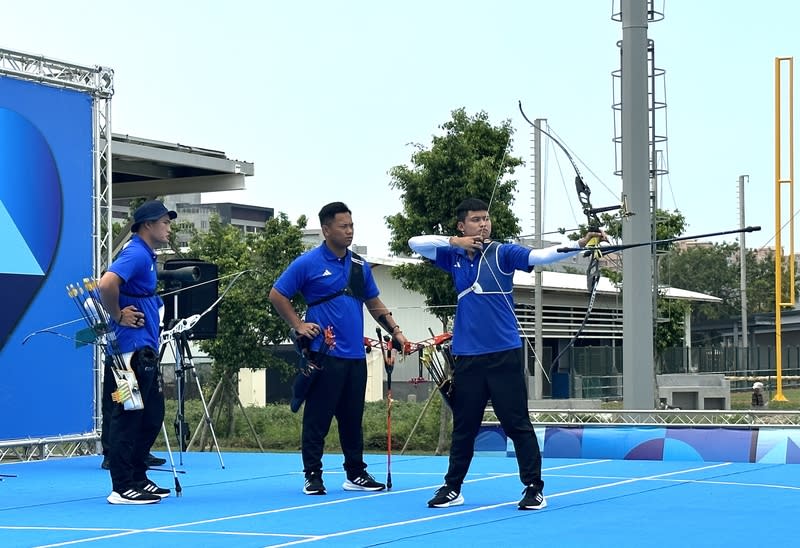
x=325, y=97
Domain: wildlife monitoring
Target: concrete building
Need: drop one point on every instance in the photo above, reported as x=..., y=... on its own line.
x=247, y=218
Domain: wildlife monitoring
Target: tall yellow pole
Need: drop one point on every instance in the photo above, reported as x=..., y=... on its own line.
x=782, y=178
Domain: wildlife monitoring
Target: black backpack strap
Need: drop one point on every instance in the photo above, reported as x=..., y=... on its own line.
x=355, y=282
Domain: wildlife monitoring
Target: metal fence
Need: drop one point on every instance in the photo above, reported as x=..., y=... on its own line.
x=617, y=417
x=727, y=359
x=596, y=371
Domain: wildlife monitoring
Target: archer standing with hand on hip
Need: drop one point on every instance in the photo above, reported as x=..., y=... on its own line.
x=487, y=346
x=336, y=283
x=128, y=292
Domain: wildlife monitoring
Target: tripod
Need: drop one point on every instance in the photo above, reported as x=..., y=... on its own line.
x=177, y=340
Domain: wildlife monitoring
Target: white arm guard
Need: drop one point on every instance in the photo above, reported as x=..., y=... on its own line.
x=426, y=245
x=548, y=255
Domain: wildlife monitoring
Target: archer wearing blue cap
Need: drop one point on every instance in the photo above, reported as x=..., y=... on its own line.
x=150, y=211
x=128, y=291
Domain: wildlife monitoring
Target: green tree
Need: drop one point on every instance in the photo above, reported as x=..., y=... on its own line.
x=715, y=270
x=705, y=269
x=248, y=325
x=760, y=273
x=469, y=160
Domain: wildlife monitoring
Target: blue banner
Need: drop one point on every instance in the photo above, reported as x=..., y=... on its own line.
x=46, y=205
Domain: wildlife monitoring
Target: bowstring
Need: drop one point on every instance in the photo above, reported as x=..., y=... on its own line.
x=217, y=279
x=506, y=298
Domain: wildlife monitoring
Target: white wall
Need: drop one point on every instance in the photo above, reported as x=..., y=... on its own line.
x=375, y=376
x=253, y=387
x=253, y=383
x=408, y=310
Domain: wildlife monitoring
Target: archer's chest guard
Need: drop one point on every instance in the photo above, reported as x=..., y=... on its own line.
x=491, y=279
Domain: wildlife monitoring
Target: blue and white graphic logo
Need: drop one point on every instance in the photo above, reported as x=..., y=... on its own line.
x=30, y=215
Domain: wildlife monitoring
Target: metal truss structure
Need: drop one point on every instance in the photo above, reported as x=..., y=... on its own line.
x=44, y=448
x=99, y=83
x=668, y=417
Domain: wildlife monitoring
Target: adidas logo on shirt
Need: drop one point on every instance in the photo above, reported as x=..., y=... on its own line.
x=327, y=273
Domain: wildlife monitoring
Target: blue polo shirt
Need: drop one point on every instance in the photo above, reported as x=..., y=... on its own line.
x=136, y=265
x=319, y=273
x=484, y=322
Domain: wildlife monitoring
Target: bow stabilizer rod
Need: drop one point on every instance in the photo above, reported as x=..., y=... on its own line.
x=622, y=247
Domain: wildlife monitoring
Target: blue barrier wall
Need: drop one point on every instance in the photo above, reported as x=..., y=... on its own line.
x=756, y=444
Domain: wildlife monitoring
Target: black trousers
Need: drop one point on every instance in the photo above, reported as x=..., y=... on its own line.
x=337, y=391
x=498, y=376
x=132, y=433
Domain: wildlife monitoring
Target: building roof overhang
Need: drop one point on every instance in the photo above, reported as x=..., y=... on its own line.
x=146, y=168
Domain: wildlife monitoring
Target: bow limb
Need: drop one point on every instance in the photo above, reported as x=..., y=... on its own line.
x=582, y=189
x=76, y=340
x=235, y=276
x=217, y=279
x=52, y=330
x=593, y=224
x=580, y=186
x=186, y=324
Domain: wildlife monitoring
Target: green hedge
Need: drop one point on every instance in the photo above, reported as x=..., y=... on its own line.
x=279, y=429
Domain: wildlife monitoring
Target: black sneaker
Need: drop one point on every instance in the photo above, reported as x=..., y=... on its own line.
x=151, y=460
x=533, y=499
x=314, y=485
x=364, y=482
x=446, y=496
x=132, y=496
x=148, y=486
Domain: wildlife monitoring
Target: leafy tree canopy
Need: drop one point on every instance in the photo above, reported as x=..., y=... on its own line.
x=470, y=159
x=248, y=324
x=715, y=270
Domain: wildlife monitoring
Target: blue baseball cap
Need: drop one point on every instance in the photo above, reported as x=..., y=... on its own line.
x=150, y=211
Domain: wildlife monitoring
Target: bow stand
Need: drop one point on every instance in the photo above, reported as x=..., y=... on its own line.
x=176, y=338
